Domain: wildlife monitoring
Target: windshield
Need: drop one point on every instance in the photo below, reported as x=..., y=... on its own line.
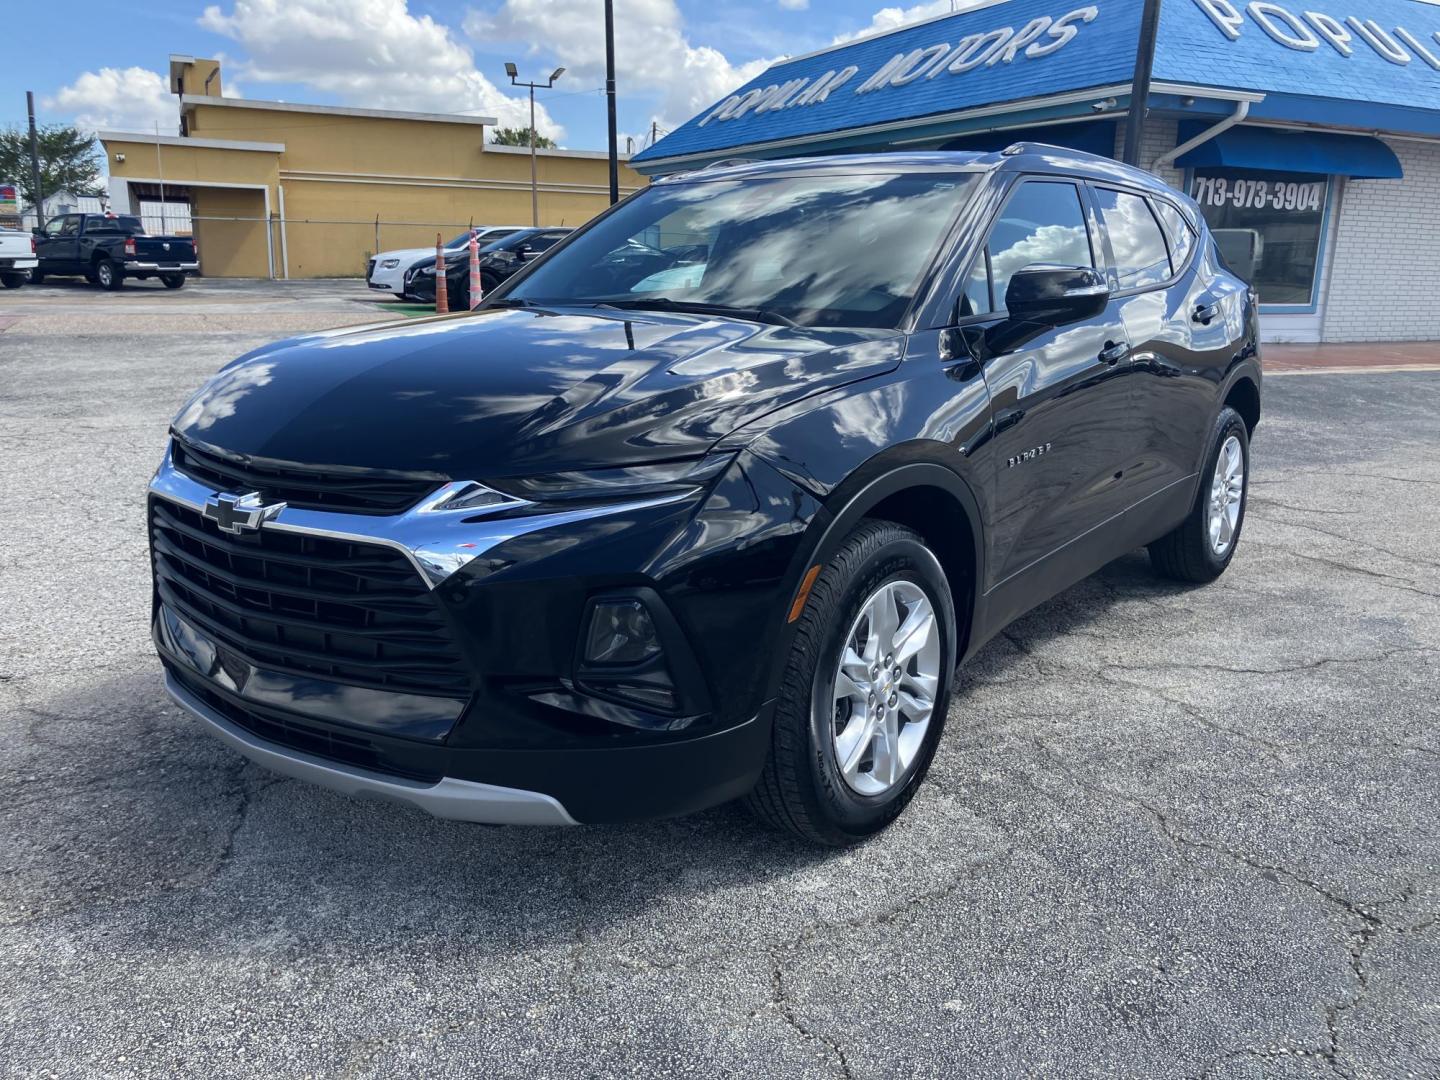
x=843, y=250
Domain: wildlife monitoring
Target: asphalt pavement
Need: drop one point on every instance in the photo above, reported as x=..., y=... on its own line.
x=1170, y=832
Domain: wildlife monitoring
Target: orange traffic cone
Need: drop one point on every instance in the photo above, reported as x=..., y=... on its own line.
x=477, y=288
x=442, y=301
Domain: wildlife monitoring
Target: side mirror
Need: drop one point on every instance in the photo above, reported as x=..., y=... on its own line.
x=1056, y=295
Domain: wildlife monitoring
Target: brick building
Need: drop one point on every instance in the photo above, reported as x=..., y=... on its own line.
x=1309, y=133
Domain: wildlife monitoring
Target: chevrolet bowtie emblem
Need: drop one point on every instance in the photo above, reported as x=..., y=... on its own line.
x=240, y=513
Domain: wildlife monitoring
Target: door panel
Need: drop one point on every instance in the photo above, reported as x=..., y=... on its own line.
x=1063, y=423
x=56, y=249
x=1182, y=337
x=1063, y=431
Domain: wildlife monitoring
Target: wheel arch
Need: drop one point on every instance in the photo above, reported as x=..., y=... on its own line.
x=1243, y=396
x=933, y=500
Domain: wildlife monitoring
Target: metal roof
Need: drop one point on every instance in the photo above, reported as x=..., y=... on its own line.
x=1360, y=64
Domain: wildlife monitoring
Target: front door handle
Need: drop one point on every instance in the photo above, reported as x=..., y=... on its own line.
x=1205, y=314
x=1113, y=353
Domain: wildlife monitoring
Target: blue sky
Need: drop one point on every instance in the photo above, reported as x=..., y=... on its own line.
x=676, y=56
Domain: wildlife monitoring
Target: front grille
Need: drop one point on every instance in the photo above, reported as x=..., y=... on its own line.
x=369, y=271
x=350, y=491
x=275, y=726
x=344, y=611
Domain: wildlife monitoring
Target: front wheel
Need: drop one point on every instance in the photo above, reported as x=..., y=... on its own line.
x=14, y=281
x=1202, y=546
x=108, y=275
x=865, y=690
x=173, y=281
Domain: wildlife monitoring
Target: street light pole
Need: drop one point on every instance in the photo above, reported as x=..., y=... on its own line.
x=1140, y=84
x=37, y=196
x=514, y=73
x=610, y=100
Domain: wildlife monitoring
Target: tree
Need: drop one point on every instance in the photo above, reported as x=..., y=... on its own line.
x=69, y=160
x=520, y=137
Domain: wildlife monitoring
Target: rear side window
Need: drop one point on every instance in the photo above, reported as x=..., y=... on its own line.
x=1141, y=254
x=1044, y=222
x=1179, y=232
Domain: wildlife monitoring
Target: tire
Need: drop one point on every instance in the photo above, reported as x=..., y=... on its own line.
x=173, y=281
x=108, y=275
x=804, y=787
x=1193, y=551
x=37, y=276
x=14, y=281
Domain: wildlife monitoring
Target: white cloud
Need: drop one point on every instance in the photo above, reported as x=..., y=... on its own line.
x=887, y=19
x=368, y=53
x=653, y=53
x=121, y=99
x=795, y=5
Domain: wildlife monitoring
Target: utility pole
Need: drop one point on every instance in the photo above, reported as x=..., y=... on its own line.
x=514, y=73
x=1140, y=88
x=37, y=195
x=610, y=100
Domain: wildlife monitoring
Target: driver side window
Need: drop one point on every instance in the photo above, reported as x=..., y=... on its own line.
x=54, y=227
x=1044, y=222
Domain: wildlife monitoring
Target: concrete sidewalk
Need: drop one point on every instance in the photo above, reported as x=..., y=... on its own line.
x=1370, y=358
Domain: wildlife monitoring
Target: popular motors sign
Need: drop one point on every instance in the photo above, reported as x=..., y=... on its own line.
x=1313, y=31
x=1022, y=43
x=9, y=200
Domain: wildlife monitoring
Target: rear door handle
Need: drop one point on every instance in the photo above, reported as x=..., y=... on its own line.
x=1207, y=313
x=1113, y=354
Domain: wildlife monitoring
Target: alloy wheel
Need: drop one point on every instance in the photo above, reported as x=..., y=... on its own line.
x=1227, y=491
x=885, y=686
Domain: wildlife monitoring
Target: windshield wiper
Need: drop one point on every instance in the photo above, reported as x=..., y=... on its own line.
x=664, y=303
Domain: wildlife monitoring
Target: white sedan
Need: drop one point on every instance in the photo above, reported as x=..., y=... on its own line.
x=386, y=271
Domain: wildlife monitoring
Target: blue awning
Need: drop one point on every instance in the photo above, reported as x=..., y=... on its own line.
x=1093, y=137
x=1323, y=153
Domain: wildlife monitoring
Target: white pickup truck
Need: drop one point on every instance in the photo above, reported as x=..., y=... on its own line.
x=17, y=258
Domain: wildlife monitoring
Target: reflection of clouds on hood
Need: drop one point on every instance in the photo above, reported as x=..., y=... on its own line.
x=218, y=399
x=1061, y=245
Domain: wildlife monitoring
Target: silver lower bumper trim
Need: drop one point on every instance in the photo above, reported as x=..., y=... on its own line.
x=169, y=268
x=457, y=800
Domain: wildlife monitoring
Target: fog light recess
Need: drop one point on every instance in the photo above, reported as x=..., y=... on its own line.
x=622, y=657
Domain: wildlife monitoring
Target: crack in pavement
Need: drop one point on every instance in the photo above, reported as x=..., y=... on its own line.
x=1361, y=937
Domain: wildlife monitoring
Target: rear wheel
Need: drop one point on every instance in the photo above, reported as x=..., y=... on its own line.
x=865, y=691
x=173, y=281
x=108, y=274
x=1201, y=547
x=13, y=281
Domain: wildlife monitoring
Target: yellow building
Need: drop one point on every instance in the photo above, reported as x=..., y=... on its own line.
x=273, y=189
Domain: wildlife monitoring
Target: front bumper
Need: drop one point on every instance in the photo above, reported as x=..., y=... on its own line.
x=391, y=280
x=514, y=591
x=457, y=800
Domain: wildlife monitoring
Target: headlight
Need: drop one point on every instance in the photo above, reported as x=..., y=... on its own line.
x=430, y=270
x=670, y=478
x=390, y=264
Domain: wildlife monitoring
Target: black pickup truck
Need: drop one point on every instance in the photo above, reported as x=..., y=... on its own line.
x=108, y=248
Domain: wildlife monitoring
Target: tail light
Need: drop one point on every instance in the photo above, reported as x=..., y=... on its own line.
x=130, y=247
x=32, y=244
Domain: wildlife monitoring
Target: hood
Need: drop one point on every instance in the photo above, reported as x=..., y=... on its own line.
x=515, y=392
x=407, y=255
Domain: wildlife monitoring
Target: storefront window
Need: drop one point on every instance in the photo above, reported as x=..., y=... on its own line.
x=1268, y=226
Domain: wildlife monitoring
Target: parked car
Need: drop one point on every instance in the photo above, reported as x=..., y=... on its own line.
x=387, y=270
x=17, y=258
x=108, y=248
x=498, y=261
x=629, y=543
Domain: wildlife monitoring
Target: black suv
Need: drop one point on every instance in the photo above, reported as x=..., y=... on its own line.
x=498, y=260
x=651, y=532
